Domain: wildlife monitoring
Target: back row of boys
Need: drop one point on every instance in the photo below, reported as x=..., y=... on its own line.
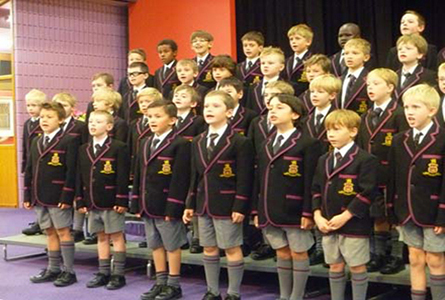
x=292, y=165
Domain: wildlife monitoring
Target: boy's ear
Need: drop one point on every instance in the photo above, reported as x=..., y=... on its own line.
x=146, y=75
x=175, y=53
x=229, y=113
x=295, y=116
x=433, y=112
x=353, y=132
x=332, y=96
x=281, y=67
x=195, y=74
x=367, y=57
x=109, y=127
x=193, y=104
x=210, y=45
x=241, y=94
x=172, y=121
x=261, y=48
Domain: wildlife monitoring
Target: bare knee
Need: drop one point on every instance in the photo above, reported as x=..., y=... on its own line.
x=299, y=255
x=435, y=260
x=417, y=258
x=284, y=253
x=337, y=268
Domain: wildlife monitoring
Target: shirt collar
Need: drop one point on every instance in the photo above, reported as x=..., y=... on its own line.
x=343, y=150
x=170, y=64
x=301, y=55
x=33, y=119
x=253, y=60
x=220, y=131
x=67, y=121
x=235, y=110
x=324, y=112
x=52, y=134
x=162, y=136
x=198, y=59
x=101, y=142
x=383, y=106
x=424, y=131
x=271, y=80
x=356, y=73
x=184, y=115
x=285, y=135
x=411, y=71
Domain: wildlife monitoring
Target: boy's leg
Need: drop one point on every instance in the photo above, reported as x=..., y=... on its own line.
x=119, y=256
x=300, y=274
x=284, y=268
x=436, y=264
x=235, y=269
x=103, y=248
x=381, y=236
x=211, y=259
x=394, y=263
x=337, y=281
x=359, y=279
x=417, y=262
x=54, y=254
x=67, y=248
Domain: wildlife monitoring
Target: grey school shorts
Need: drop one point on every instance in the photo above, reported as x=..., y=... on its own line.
x=338, y=248
x=168, y=234
x=54, y=217
x=297, y=239
x=107, y=221
x=421, y=238
x=221, y=233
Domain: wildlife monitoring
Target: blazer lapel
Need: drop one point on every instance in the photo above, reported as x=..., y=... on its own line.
x=427, y=141
x=358, y=86
x=223, y=143
x=290, y=142
x=383, y=119
x=412, y=80
x=238, y=117
x=52, y=143
x=346, y=161
x=164, y=144
x=258, y=96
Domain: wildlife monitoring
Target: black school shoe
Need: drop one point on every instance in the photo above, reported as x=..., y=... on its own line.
x=263, y=252
x=65, y=279
x=169, y=293
x=393, y=265
x=316, y=258
x=116, y=282
x=232, y=297
x=376, y=263
x=98, y=280
x=45, y=276
x=90, y=240
x=78, y=236
x=153, y=292
x=33, y=229
x=210, y=296
x=195, y=247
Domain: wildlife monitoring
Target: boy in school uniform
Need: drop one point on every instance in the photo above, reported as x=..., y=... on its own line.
x=410, y=50
x=49, y=188
x=346, y=32
x=272, y=63
x=222, y=169
x=342, y=192
x=102, y=191
x=165, y=77
x=287, y=163
x=160, y=189
x=187, y=71
x=413, y=23
x=353, y=94
x=31, y=128
x=379, y=125
x=241, y=116
x=440, y=117
x=201, y=42
x=76, y=128
x=300, y=39
x=314, y=66
x=99, y=81
x=416, y=190
x=108, y=100
x=223, y=67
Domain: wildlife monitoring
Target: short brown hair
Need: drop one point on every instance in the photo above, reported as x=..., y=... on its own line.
x=57, y=107
x=201, y=34
x=255, y=36
x=343, y=118
x=65, y=97
x=303, y=30
x=138, y=51
x=36, y=95
x=234, y=82
x=141, y=65
x=189, y=89
x=416, y=40
x=190, y=63
x=328, y=82
x=224, y=61
x=169, y=108
x=226, y=98
x=282, y=86
x=319, y=59
x=420, y=18
x=294, y=103
x=387, y=75
x=361, y=44
x=425, y=94
x=109, y=117
x=108, y=78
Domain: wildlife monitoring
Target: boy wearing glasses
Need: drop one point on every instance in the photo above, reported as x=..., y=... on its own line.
x=137, y=75
x=202, y=42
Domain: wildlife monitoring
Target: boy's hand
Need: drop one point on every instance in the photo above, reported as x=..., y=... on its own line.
x=255, y=221
x=27, y=205
x=237, y=217
x=439, y=230
x=187, y=216
x=322, y=224
x=167, y=219
x=307, y=223
x=120, y=209
x=83, y=210
x=64, y=206
x=138, y=215
x=338, y=221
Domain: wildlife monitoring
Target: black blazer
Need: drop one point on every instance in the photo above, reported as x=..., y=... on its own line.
x=166, y=84
x=120, y=130
x=258, y=132
x=439, y=116
x=191, y=126
x=420, y=75
x=351, y=186
x=78, y=129
x=102, y=179
x=205, y=77
x=30, y=131
x=429, y=61
x=296, y=76
x=50, y=175
x=417, y=186
x=358, y=100
x=222, y=184
x=242, y=119
x=305, y=97
x=125, y=85
x=285, y=180
x=136, y=133
x=162, y=178
x=308, y=125
x=248, y=77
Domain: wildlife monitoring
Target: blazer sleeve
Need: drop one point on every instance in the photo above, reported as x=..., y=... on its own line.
x=123, y=173
x=311, y=156
x=316, y=189
x=79, y=196
x=367, y=185
x=244, y=179
x=440, y=219
x=191, y=197
x=135, y=191
x=24, y=152
x=121, y=131
x=180, y=181
x=68, y=191
x=29, y=172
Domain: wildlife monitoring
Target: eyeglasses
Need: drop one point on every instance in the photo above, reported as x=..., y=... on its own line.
x=135, y=74
x=199, y=41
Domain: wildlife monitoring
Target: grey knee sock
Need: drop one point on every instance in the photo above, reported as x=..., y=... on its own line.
x=161, y=278
x=105, y=266
x=67, y=249
x=380, y=239
x=212, y=269
x=301, y=274
x=318, y=239
x=396, y=245
x=54, y=261
x=173, y=280
x=79, y=220
x=235, y=270
x=284, y=269
x=418, y=295
x=337, y=283
x=119, y=259
x=359, y=285
x=437, y=285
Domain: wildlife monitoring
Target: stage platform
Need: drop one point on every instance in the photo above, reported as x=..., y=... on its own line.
x=133, y=251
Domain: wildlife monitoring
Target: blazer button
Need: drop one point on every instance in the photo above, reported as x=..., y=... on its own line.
x=371, y=142
x=271, y=166
x=329, y=182
x=93, y=180
x=94, y=168
x=412, y=186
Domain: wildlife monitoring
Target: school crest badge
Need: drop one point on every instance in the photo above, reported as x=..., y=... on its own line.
x=293, y=170
x=108, y=168
x=256, y=79
x=55, y=160
x=227, y=172
x=208, y=77
x=388, y=139
x=433, y=168
x=363, y=107
x=348, y=188
x=166, y=168
x=303, y=77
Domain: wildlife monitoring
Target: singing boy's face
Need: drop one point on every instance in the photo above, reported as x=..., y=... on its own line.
x=410, y=24
x=33, y=107
x=185, y=74
x=136, y=76
x=320, y=98
x=313, y=71
x=378, y=89
x=220, y=73
x=441, y=80
x=417, y=113
x=269, y=93
x=339, y=136
x=99, y=83
x=215, y=111
x=134, y=57
x=345, y=33
x=355, y=58
x=159, y=121
x=280, y=113
x=101, y=104
x=408, y=53
x=166, y=54
x=271, y=65
x=144, y=102
x=298, y=43
x=201, y=46
x=251, y=49
x=229, y=89
x=98, y=125
x=183, y=100
x=49, y=121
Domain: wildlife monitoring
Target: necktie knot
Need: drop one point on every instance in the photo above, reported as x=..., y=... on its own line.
x=213, y=137
x=97, y=148
x=166, y=70
x=201, y=62
x=249, y=65
x=211, y=145
x=46, y=141
x=145, y=121
x=407, y=74
x=180, y=119
x=318, y=118
x=338, y=158
x=417, y=138
x=277, y=145
x=375, y=115
x=154, y=144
